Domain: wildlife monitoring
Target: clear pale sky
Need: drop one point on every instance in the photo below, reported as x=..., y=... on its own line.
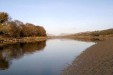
x=62, y=16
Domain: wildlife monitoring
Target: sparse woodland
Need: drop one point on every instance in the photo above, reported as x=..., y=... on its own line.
x=94, y=35
x=16, y=29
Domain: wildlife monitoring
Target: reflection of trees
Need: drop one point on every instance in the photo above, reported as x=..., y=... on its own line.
x=16, y=51
x=32, y=47
x=4, y=64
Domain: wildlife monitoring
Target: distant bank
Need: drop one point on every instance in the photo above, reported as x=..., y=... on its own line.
x=94, y=35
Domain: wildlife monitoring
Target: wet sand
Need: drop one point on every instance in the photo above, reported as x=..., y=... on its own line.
x=96, y=60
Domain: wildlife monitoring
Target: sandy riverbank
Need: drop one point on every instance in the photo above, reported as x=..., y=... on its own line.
x=96, y=60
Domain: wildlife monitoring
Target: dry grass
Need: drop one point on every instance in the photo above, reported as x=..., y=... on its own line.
x=5, y=41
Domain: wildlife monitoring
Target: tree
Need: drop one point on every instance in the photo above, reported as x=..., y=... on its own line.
x=3, y=17
x=27, y=30
x=41, y=31
x=10, y=29
x=17, y=28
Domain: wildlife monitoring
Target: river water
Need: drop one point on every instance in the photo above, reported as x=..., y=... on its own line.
x=42, y=58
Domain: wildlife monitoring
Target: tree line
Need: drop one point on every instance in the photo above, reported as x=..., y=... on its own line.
x=16, y=28
x=95, y=33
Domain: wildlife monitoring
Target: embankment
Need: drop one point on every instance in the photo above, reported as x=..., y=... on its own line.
x=5, y=41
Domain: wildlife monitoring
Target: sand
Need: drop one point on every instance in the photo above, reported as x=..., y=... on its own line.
x=96, y=60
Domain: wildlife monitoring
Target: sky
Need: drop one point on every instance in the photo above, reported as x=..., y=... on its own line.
x=62, y=16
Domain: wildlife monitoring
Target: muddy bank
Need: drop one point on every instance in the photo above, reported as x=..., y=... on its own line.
x=96, y=60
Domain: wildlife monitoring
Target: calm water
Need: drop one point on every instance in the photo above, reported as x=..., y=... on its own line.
x=43, y=58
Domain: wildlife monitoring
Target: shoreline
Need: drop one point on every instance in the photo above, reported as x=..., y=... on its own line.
x=95, y=60
x=84, y=37
x=6, y=41
x=100, y=38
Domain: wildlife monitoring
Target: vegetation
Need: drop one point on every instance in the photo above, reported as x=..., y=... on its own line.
x=28, y=30
x=96, y=33
x=3, y=17
x=92, y=36
x=103, y=32
x=17, y=29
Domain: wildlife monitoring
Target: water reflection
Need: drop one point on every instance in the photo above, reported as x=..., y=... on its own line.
x=34, y=59
x=16, y=51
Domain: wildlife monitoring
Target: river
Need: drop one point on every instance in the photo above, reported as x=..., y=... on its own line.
x=42, y=58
